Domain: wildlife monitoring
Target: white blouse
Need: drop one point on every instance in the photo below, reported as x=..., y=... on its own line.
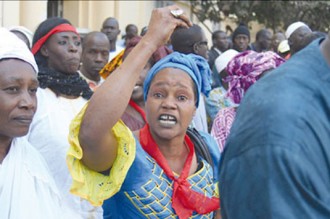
x=27, y=190
x=49, y=135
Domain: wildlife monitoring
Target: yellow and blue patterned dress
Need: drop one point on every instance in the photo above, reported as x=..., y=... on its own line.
x=136, y=187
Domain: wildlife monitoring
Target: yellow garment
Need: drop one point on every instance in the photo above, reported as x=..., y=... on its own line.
x=93, y=186
x=112, y=65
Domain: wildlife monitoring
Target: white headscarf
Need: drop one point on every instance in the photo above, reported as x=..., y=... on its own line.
x=293, y=27
x=13, y=47
x=27, y=190
x=26, y=32
x=222, y=60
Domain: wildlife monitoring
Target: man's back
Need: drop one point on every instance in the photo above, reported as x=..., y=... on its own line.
x=277, y=158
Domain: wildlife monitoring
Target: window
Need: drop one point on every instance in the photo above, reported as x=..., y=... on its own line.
x=54, y=8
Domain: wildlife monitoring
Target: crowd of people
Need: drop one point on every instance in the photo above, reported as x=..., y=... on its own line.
x=159, y=125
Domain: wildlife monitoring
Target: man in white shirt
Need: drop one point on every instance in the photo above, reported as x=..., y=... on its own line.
x=110, y=27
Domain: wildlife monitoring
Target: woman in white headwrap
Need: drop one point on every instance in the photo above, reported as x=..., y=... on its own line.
x=22, y=33
x=26, y=188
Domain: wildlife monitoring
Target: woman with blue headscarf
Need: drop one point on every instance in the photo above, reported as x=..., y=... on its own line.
x=153, y=172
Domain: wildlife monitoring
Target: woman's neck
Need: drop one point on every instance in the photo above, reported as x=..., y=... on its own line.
x=67, y=96
x=175, y=155
x=173, y=149
x=4, y=147
x=134, y=113
x=140, y=103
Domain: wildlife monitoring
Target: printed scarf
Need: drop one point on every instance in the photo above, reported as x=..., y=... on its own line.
x=184, y=200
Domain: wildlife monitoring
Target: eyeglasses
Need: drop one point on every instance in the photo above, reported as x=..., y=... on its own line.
x=202, y=43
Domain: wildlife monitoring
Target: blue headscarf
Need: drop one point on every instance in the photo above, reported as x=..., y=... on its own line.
x=194, y=65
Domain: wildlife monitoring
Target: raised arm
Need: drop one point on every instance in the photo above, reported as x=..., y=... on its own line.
x=109, y=101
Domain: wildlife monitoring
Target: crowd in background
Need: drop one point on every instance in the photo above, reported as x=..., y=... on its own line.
x=96, y=90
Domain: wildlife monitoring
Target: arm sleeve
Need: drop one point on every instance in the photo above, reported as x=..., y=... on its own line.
x=91, y=185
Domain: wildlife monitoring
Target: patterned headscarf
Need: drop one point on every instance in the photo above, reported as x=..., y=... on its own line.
x=117, y=60
x=112, y=65
x=194, y=65
x=246, y=68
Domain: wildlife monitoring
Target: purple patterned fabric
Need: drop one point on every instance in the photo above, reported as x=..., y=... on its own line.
x=246, y=68
x=222, y=124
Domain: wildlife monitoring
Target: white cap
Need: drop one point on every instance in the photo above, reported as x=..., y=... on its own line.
x=26, y=32
x=223, y=59
x=283, y=47
x=293, y=27
x=13, y=47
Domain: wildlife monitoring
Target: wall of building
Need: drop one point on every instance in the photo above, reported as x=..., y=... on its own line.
x=24, y=13
x=88, y=15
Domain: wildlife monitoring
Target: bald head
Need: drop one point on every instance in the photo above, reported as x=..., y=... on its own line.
x=91, y=37
x=110, y=27
x=95, y=54
x=191, y=40
x=112, y=20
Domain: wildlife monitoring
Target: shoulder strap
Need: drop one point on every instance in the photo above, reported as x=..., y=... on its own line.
x=200, y=145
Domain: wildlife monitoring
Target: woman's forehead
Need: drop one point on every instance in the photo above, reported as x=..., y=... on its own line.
x=172, y=74
x=66, y=34
x=16, y=69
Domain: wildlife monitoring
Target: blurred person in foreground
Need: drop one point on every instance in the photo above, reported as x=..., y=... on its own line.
x=277, y=155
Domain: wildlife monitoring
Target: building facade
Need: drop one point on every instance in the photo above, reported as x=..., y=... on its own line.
x=86, y=15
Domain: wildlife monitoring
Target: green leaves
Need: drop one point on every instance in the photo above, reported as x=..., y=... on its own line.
x=276, y=15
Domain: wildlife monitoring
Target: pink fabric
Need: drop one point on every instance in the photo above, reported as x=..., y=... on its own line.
x=222, y=124
x=246, y=68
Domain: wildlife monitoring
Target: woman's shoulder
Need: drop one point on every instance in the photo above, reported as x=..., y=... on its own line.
x=35, y=162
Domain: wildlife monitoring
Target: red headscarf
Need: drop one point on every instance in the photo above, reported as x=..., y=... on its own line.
x=57, y=29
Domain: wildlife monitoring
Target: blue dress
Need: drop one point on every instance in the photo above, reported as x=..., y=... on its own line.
x=147, y=191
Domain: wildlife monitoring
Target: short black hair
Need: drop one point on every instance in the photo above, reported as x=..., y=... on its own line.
x=261, y=33
x=215, y=33
x=183, y=39
x=130, y=26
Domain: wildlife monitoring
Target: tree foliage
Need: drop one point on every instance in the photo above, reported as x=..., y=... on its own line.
x=276, y=15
